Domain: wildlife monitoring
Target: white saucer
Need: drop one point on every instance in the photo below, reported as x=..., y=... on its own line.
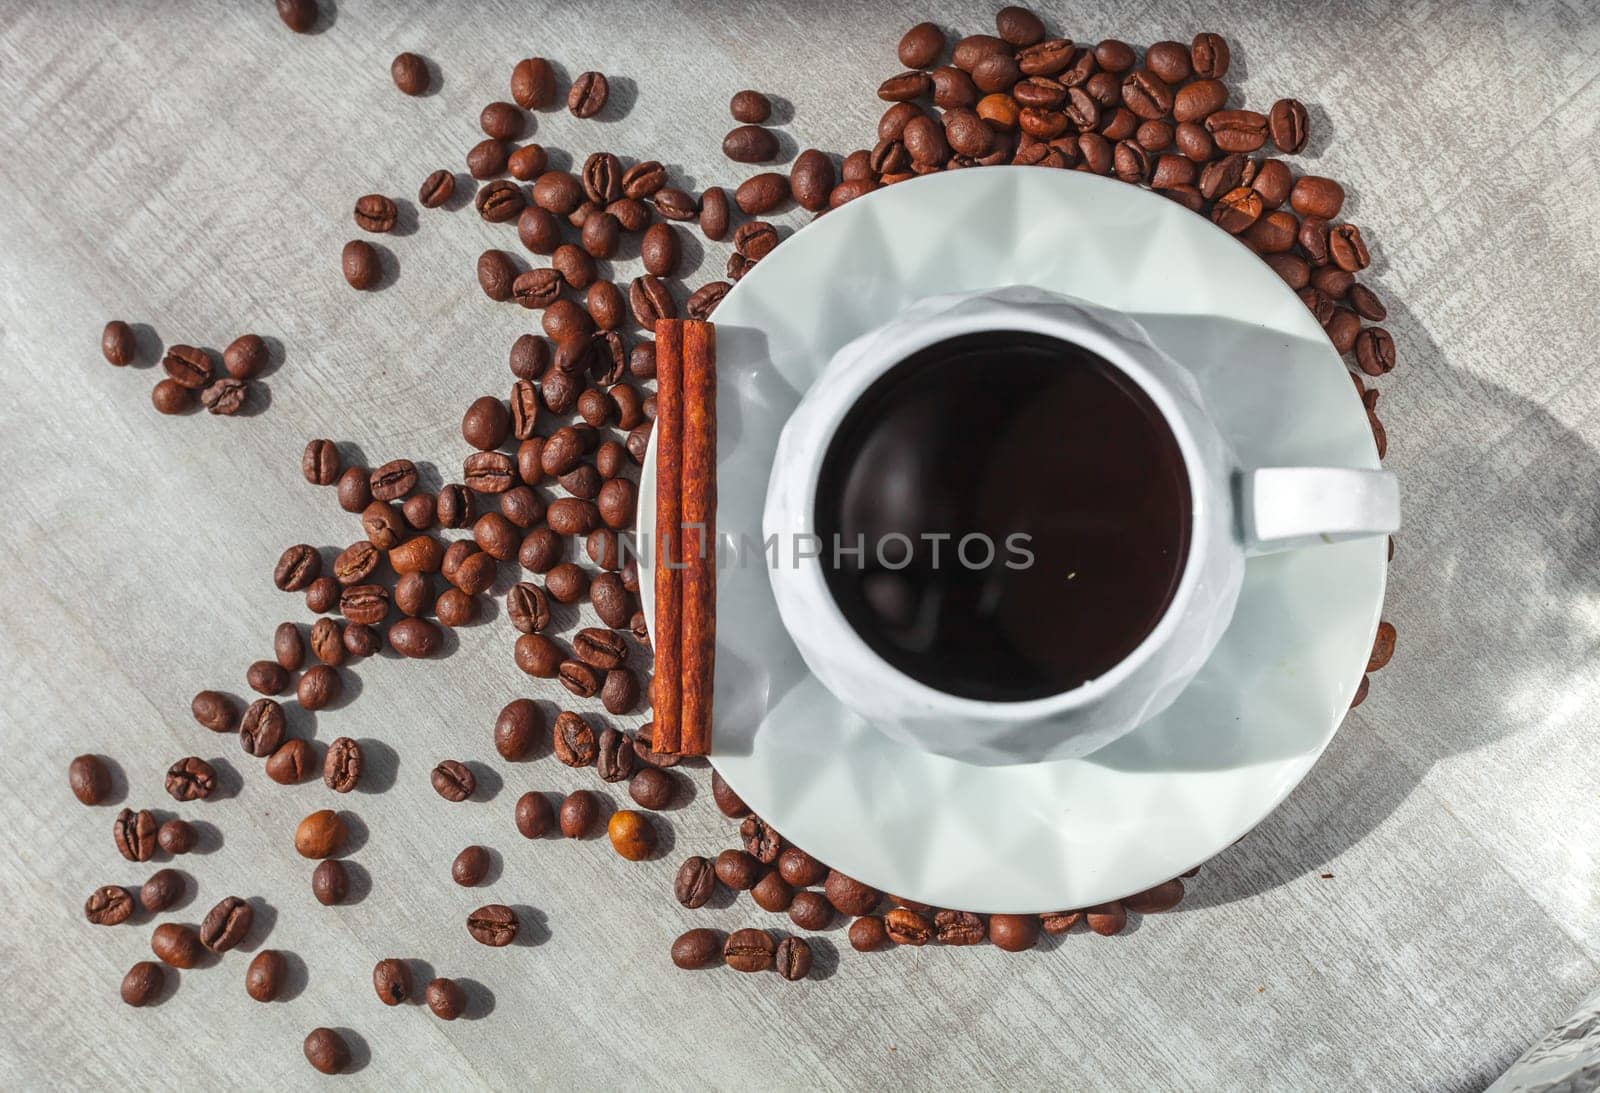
x=1176, y=791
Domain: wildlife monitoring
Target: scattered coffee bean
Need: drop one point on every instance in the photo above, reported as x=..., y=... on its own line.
x=631, y=834
x=143, y=983
x=728, y=802
x=748, y=950
x=341, y=767
x=793, y=958
x=772, y=893
x=326, y=1051
x=436, y=189
x=226, y=924
x=579, y=811
x=849, y=896
x=263, y=727
x=110, y=905
x=470, y=866
x=737, y=869
x=698, y=948
x=453, y=780
x=868, y=933
x=1014, y=933
x=361, y=265
x=800, y=869
x=320, y=835
x=588, y=95
x=264, y=978
x=162, y=891
x=534, y=815
x=291, y=762
x=89, y=779
x=330, y=882
x=177, y=945
x=191, y=779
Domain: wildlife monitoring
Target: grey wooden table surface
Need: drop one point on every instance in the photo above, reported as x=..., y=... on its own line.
x=191, y=166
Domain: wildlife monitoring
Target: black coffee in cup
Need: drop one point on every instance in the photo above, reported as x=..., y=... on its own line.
x=1003, y=516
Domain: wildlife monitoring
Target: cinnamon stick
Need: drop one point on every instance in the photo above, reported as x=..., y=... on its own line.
x=699, y=633
x=666, y=691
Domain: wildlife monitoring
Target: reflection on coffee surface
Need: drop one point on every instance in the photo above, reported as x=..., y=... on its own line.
x=1021, y=510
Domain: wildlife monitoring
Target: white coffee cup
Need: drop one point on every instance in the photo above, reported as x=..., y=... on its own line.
x=1236, y=512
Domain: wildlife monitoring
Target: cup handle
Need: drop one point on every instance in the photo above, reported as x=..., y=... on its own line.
x=1285, y=507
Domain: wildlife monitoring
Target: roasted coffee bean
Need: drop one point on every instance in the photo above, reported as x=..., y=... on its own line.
x=811, y=179
x=1170, y=61
x=453, y=780
x=1146, y=94
x=1152, y=901
x=359, y=262
x=327, y=642
x=574, y=740
x=578, y=813
x=215, y=711
x=651, y=788
x=1222, y=176
x=800, y=869
x=1209, y=55
x=489, y=472
x=811, y=911
x=326, y=1051
x=456, y=608
x=537, y=655
x=89, y=779
x=263, y=728
x=264, y=978
x=632, y=835
x=1273, y=233
x=760, y=840
x=1332, y=282
x=341, y=767
x=696, y=879
x=1343, y=327
x=290, y=762
x=320, y=834
x=497, y=275
x=1130, y=162
x=649, y=300
x=1018, y=26
x=1294, y=270
x=534, y=816
x=517, y=729
x=728, y=802
x=698, y=948
x=187, y=366
x=226, y=924
x=533, y=83
x=614, y=756
x=528, y=607
x=361, y=640
x=162, y=891
x=319, y=463
x=288, y=649
x=420, y=510
x=995, y=72
x=606, y=594
x=1319, y=305
x=118, y=344
x=772, y=894
x=599, y=648
x=177, y=945
x=1199, y=100
x=110, y=905
x=1172, y=171
x=578, y=678
x=1288, y=124
x=501, y=121
x=501, y=201
x=675, y=204
x=322, y=595
x=644, y=750
x=605, y=302
x=588, y=95
x=297, y=567
x=596, y=409
x=471, y=866
x=1375, y=353
x=191, y=779
x=528, y=162
x=415, y=638
x=748, y=950
x=868, y=933
x=365, y=603
x=619, y=691
x=356, y=562
x=761, y=194
x=737, y=869
x=536, y=288
x=572, y=516
x=1316, y=196
x=330, y=882
x=849, y=896
x=1313, y=239
x=704, y=300
x=1237, y=210
x=391, y=979
x=410, y=74
x=1273, y=182
x=393, y=480
x=375, y=213
x=496, y=536
x=436, y=189
x=1014, y=933
x=793, y=958
x=143, y=983
x=960, y=927
x=907, y=927
x=1040, y=92
x=1237, y=130
x=755, y=144
x=1366, y=304
x=902, y=87
x=319, y=686
x=1347, y=249
x=600, y=237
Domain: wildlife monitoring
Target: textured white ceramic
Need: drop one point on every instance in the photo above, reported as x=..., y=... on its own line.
x=1297, y=505
x=1177, y=790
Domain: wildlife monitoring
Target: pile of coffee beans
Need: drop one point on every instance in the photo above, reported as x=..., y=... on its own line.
x=552, y=463
x=192, y=376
